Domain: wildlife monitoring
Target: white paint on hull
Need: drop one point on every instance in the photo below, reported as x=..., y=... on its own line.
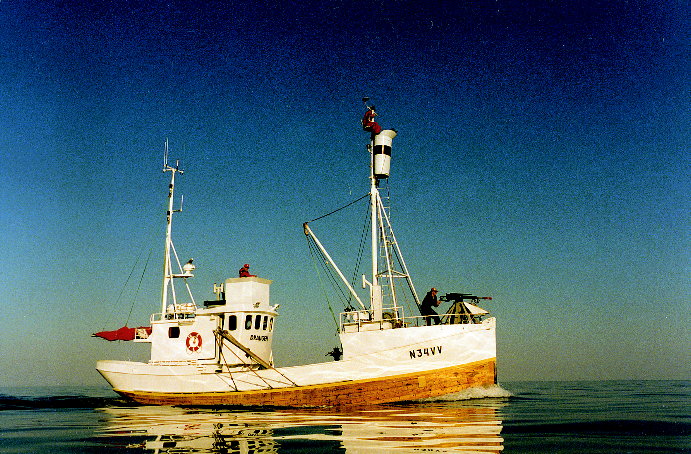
x=369, y=355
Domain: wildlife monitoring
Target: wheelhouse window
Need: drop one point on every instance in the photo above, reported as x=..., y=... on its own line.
x=248, y=322
x=232, y=323
x=266, y=320
x=257, y=321
x=271, y=324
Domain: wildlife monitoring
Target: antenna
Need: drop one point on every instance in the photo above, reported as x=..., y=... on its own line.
x=182, y=199
x=166, y=167
x=165, y=156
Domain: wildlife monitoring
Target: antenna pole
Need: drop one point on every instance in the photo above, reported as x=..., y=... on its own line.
x=165, y=156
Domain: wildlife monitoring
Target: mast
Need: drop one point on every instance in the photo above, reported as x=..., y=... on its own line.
x=375, y=288
x=380, y=149
x=383, y=240
x=167, y=267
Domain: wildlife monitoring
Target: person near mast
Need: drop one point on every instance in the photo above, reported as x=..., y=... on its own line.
x=368, y=123
x=245, y=271
x=426, y=307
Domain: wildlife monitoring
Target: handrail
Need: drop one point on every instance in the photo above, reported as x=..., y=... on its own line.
x=179, y=315
x=393, y=316
x=364, y=318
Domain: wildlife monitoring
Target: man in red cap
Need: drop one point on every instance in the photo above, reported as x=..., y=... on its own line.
x=245, y=271
x=368, y=123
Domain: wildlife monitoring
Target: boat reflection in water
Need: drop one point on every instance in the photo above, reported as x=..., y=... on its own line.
x=436, y=426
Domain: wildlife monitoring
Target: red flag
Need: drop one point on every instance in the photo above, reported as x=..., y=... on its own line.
x=124, y=333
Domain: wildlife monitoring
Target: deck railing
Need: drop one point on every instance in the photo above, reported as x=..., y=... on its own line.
x=392, y=318
x=183, y=313
x=363, y=320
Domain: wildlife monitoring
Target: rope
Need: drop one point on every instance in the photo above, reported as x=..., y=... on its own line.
x=326, y=296
x=252, y=370
x=361, y=251
x=330, y=272
x=346, y=297
x=249, y=369
x=339, y=209
x=141, y=278
x=122, y=291
x=219, y=342
x=117, y=301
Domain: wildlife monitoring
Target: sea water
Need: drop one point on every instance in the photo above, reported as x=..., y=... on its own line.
x=520, y=417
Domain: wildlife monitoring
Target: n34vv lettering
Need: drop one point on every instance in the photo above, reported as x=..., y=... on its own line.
x=420, y=352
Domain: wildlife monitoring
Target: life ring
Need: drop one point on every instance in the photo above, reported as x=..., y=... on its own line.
x=194, y=342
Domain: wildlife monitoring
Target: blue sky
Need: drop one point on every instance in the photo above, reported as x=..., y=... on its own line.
x=541, y=160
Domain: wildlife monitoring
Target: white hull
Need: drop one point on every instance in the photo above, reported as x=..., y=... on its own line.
x=394, y=353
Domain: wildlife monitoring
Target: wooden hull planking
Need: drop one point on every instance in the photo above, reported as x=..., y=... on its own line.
x=399, y=388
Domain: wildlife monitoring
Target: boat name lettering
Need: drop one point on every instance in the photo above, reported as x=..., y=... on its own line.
x=255, y=337
x=420, y=352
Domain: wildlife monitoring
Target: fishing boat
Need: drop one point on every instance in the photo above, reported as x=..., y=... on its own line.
x=219, y=352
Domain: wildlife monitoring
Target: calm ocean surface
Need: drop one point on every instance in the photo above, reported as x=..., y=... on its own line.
x=520, y=417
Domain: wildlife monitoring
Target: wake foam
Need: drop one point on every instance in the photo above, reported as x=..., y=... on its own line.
x=484, y=392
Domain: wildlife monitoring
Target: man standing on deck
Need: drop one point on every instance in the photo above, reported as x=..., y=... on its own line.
x=426, y=307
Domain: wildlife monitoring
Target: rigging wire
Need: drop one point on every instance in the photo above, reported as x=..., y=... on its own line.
x=361, y=249
x=337, y=284
x=141, y=278
x=221, y=343
x=117, y=301
x=330, y=272
x=332, y=276
x=326, y=296
x=347, y=297
x=410, y=287
x=339, y=209
x=122, y=291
